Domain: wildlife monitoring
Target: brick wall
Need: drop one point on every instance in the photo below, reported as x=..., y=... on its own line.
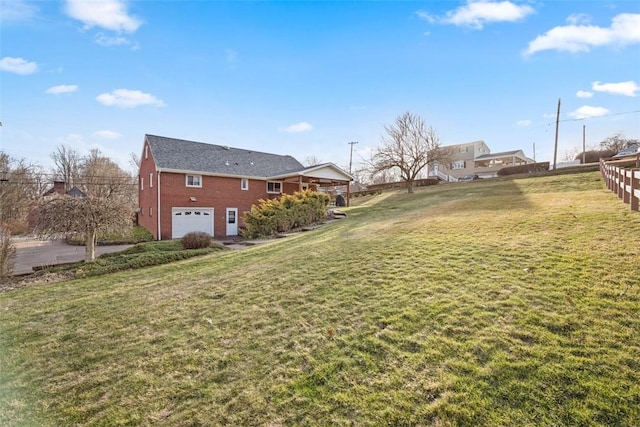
x=147, y=195
x=218, y=193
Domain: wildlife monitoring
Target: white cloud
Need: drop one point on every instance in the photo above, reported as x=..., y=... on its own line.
x=298, y=127
x=126, y=98
x=584, y=94
x=524, y=123
x=587, y=111
x=55, y=90
x=475, y=14
x=108, y=14
x=623, y=88
x=107, y=41
x=18, y=65
x=624, y=30
x=16, y=11
x=579, y=18
x=106, y=134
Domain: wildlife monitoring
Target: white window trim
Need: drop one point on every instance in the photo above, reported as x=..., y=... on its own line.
x=141, y=183
x=186, y=180
x=151, y=180
x=458, y=164
x=146, y=151
x=244, y=184
x=274, y=182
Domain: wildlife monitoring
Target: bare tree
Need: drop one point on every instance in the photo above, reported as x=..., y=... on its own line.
x=618, y=142
x=85, y=216
x=312, y=160
x=408, y=147
x=134, y=161
x=7, y=253
x=102, y=177
x=66, y=162
x=21, y=184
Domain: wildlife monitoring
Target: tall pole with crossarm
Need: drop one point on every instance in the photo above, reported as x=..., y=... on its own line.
x=352, y=143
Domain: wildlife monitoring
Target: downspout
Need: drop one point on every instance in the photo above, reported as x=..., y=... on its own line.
x=158, y=209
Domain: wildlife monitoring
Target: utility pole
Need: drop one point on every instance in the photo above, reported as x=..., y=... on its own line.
x=534, y=152
x=584, y=148
x=555, y=149
x=352, y=143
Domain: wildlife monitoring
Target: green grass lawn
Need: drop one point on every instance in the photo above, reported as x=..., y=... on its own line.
x=488, y=303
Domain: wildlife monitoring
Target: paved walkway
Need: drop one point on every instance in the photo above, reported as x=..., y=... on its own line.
x=32, y=253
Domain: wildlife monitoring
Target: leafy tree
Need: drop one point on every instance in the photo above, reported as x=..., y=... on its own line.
x=408, y=147
x=85, y=216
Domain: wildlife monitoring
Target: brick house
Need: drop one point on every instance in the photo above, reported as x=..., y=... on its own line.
x=193, y=186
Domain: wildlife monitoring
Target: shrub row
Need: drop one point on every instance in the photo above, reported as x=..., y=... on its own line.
x=285, y=213
x=138, y=256
x=530, y=168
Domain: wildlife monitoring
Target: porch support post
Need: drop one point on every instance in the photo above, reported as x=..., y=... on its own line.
x=299, y=182
x=348, y=193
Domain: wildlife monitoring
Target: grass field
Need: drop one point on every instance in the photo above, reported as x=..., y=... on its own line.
x=489, y=303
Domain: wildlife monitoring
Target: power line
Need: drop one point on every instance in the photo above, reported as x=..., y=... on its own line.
x=597, y=117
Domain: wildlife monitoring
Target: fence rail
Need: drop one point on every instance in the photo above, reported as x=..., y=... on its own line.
x=624, y=181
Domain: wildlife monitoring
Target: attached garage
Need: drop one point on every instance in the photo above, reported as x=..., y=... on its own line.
x=186, y=220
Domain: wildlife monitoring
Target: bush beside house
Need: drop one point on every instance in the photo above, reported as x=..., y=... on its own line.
x=273, y=216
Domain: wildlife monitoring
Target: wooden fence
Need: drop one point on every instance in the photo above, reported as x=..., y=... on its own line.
x=622, y=180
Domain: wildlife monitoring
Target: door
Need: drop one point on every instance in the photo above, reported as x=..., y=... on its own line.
x=185, y=220
x=232, y=221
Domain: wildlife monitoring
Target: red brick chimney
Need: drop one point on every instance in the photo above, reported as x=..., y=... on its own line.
x=58, y=187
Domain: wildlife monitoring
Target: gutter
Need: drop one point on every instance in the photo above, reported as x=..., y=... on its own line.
x=158, y=208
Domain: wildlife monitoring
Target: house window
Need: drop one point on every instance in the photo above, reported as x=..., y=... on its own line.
x=146, y=151
x=274, y=187
x=150, y=180
x=194, y=181
x=460, y=164
x=244, y=184
x=150, y=211
x=141, y=183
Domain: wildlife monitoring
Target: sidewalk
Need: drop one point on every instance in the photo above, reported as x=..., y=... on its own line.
x=33, y=252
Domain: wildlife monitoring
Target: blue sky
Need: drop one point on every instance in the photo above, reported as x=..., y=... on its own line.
x=307, y=77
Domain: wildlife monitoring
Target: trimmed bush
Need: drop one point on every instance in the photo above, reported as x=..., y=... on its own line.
x=196, y=240
x=273, y=216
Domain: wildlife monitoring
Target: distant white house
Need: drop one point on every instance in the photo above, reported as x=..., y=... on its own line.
x=475, y=158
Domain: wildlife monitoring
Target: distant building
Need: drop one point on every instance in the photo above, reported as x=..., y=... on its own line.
x=475, y=158
x=59, y=189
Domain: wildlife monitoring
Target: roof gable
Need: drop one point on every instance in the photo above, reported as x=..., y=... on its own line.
x=326, y=172
x=181, y=155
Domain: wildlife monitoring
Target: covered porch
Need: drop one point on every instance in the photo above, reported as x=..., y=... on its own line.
x=324, y=177
x=489, y=164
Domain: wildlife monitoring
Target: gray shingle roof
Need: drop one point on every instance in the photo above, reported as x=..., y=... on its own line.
x=178, y=154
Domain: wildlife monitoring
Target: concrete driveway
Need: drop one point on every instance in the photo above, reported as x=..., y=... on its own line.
x=32, y=253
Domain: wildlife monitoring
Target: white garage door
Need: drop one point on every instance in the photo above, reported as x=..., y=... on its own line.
x=185, y=220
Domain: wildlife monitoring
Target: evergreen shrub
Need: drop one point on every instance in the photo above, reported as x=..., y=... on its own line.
x=273, y=216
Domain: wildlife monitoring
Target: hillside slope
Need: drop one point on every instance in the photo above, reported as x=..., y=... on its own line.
x=498, y=302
